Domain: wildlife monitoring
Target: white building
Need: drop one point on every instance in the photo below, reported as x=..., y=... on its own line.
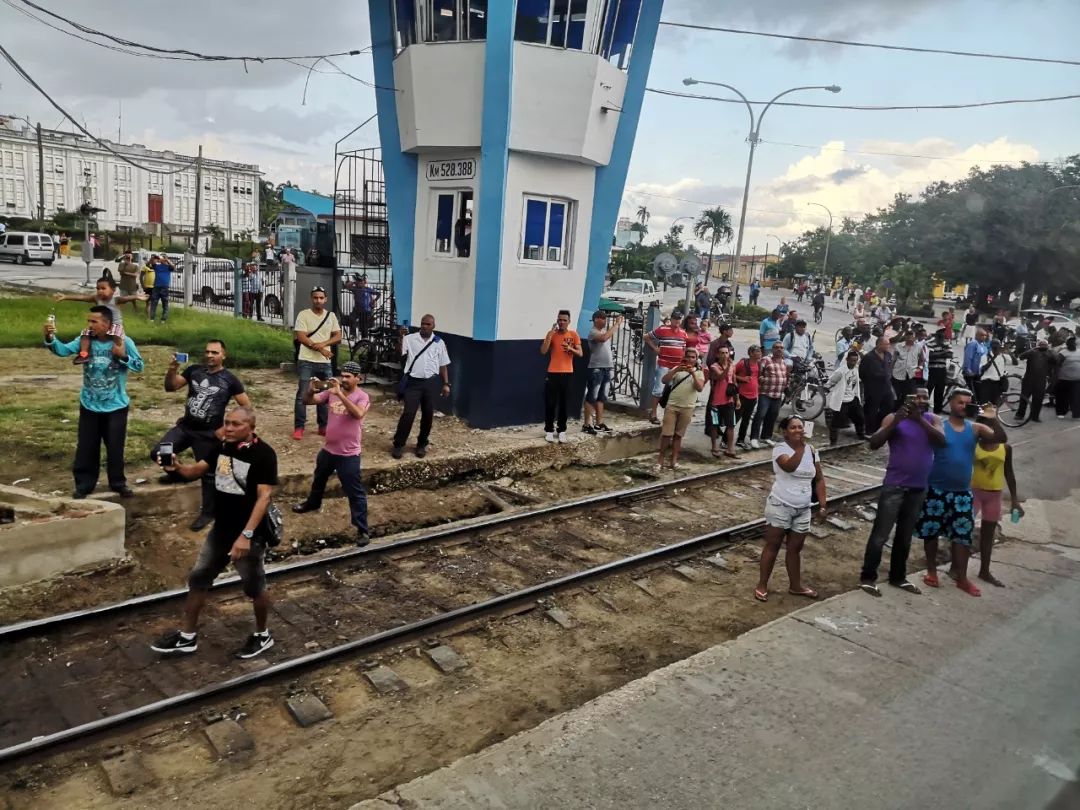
x=152, y=200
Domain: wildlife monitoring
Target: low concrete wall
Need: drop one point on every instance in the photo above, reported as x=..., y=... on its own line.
x=54, y=535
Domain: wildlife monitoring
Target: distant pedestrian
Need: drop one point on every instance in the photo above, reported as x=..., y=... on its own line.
x=723, y=340
x=318, y=332
x=755, y=291
x=992, y=375
x=669, y=341
x=364, y=299
x=703, y=302
x=907, y=367
x=245, y=474
x=948, y=510
x=723, y=403
x=340, y=454
x=769, y=330
x=561, y=345
x=103, y=402
x=947, y=323
x=252, y=291
x=209, y=386
x=799, y=345
x=939, y=354
x=844, y=343
x=128, y=270
x=1067, y=390
x=163, y=270
x=797, y=472
x=1039, y=366
x=971, y=322
x=288, y=262
x=773, y=382
x=426, y=363
x=843, y=403
x=268, y=255
x=601, y=364
x=146, y=281
x=912, y=434
x=875, y=371
x=992, y=471
x=975, y=351
x=686, y=381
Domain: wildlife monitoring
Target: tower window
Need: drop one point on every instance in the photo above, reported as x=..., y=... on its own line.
x=545, y=231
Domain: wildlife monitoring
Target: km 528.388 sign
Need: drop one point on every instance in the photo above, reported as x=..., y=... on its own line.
x=447, y=170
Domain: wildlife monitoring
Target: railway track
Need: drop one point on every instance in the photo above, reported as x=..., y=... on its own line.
x=76, y=675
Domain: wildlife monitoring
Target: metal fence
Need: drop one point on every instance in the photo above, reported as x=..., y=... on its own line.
x=628, y=352
x=213, y=288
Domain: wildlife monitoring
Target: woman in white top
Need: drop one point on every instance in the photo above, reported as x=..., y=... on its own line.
x=787, y=509
x=993, y=371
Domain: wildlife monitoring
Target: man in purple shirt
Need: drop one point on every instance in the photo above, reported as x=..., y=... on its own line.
x=912, y=433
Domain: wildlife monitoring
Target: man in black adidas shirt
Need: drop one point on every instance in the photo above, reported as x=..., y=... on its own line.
x=245, y=474
x=209, y=387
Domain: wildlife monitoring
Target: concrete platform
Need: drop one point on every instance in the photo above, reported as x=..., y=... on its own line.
x=939, y=700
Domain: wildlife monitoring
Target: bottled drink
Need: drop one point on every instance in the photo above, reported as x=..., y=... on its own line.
x=1015, y=516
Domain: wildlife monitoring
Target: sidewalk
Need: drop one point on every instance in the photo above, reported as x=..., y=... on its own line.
x=928, y=701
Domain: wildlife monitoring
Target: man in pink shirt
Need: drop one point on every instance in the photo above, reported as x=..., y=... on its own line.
x=341, y=450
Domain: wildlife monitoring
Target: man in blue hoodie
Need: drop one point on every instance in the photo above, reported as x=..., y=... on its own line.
x=103, y=401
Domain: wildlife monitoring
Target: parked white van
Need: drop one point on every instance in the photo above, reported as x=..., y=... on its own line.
x=22, y=247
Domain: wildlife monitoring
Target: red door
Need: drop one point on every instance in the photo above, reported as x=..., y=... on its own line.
x=154, y=207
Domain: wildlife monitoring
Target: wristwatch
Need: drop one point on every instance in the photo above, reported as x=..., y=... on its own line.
x=248, y=533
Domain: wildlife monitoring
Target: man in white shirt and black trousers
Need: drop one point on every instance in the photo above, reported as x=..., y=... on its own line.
x=425, y=362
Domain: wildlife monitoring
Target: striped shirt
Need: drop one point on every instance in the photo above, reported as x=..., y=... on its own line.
x=672, y=345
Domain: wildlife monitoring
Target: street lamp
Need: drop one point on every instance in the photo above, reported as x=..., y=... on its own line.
x=828, y=236
x=754, y=137
x=779, y=247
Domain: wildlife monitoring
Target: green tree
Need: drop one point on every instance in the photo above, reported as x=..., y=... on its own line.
x=714, y=225
x=672, y=241
x=911, y=283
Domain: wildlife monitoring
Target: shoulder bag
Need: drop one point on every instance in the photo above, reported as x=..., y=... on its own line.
x=404, y=381
x=333, y=349
x=669, y=387
x=271, y=528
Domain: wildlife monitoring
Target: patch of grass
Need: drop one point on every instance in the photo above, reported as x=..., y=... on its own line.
x=249, y=345
x=51, y=430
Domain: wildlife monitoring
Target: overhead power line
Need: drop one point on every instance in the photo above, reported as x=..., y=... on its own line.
x=181, y=53
x=871, y=107
x=30, y=80
x=878, y=45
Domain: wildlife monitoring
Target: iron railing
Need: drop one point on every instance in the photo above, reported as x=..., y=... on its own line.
x=628, y=352
x=213, y=283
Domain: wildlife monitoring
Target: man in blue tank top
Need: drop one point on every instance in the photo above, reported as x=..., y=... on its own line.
x=912, y=433
x=948, y=510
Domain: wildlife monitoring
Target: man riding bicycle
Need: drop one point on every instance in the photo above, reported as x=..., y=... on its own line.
x=819, y=304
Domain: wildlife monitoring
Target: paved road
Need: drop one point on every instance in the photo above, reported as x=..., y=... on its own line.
x=936, y=701
x=65, y=274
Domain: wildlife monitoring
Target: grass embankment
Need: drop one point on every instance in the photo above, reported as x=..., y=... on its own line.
x=39, y=392
x=250, y=345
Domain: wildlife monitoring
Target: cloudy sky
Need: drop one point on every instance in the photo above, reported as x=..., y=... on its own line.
x=689, y=153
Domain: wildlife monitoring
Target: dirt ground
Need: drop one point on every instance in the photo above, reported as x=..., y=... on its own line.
x=521, y=670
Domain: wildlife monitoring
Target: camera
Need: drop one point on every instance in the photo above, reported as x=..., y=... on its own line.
x=165, y=454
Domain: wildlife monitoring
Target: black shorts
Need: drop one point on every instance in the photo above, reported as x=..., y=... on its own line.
x=722, y=416
x=214, y=557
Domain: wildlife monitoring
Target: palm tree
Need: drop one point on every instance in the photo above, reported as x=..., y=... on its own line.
x=643, y=214
x=714, y=225
x=641, y=228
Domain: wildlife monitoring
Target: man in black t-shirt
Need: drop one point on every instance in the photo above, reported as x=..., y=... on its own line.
x=209, y=387
x=244, y=470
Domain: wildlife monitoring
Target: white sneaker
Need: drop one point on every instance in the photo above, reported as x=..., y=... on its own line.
x=1061, y=416
x=549, y=437
x=770, y=443
x=562, y=437
x=755, y=444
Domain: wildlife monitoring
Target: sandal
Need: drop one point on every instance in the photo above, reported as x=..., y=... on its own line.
x=870, y=588
x=653, y=420
x=717, y=454
x=731, y=455
x=910, y=587
x=761, y=596
x=931, y=580
x=809, y=593
x=969, y=587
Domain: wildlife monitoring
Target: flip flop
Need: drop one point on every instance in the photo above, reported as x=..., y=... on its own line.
x=969, y=587
x=910, y=587
x=717, y=454
x=809, y=593
x=870, y=588
x=761, y=596
x=653, y=420
x=932, y=580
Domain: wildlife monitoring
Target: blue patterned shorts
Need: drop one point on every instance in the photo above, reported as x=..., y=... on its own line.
x=947, y=514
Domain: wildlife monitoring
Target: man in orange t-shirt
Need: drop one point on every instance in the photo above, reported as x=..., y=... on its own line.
x=562, y=345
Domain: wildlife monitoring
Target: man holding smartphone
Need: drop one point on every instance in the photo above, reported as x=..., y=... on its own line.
x=562, y=345
x=210, y=387
x=244, y=470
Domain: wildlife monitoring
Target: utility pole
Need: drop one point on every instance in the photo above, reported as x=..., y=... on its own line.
x=41, y=175
x=198, y=196
x=87, y=247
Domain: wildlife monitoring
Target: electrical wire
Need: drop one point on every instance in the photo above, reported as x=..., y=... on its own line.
x=870, y=107
x=855, y=44
x=30, y=80
x=176, y=52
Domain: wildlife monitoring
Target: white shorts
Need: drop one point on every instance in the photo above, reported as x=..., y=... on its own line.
x=788, y=518
x=969, y=332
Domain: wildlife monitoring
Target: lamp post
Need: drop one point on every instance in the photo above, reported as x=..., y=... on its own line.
x=828, y=237
x=754, y=138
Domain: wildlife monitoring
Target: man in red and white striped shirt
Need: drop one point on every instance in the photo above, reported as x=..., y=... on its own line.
x=669, y=343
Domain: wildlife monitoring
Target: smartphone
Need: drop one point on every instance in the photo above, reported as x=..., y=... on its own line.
x=971, y=410
x=165, y=454
x=910, y=400
x=181, y=357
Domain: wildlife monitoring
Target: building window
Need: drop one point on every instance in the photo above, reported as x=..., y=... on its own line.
x=438, y=21
x=453, y=223
x=617, y=30
x=560, y=23
x=545, y=232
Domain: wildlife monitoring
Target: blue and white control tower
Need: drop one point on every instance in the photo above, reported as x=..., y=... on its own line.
x=505, y=144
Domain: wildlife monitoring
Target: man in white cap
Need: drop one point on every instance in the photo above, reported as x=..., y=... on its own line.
x=341, y=450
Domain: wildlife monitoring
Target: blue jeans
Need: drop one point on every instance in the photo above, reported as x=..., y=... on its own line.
x=306, y=370
x=768, y=408
x=159, y=294
x=596, y=387
x=348, y=473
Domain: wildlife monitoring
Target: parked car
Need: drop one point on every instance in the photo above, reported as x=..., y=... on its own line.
x=633, y=293
x=1059, y=320
x=23, y=247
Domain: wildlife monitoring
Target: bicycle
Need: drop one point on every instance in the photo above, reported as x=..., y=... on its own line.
x=1008, y=406
x=806, y=389
x=379, y=348
x=819, y=315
